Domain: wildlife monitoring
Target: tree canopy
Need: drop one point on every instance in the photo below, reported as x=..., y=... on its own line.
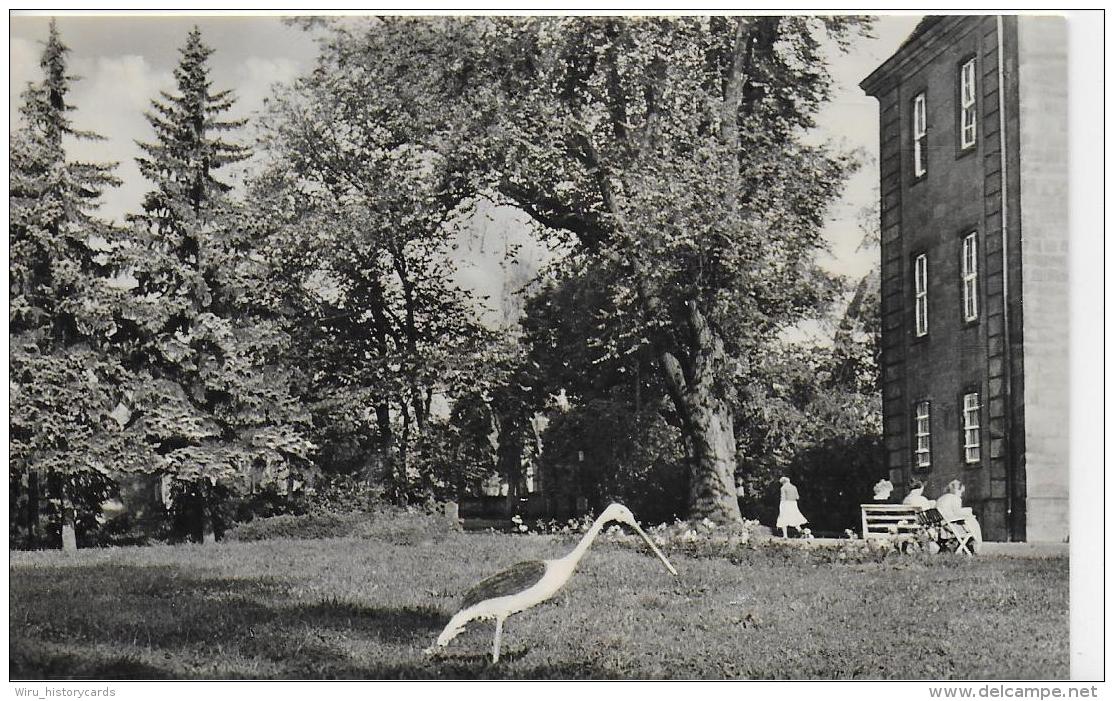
x=668, y=150
x=364, y=221
x=313, y=319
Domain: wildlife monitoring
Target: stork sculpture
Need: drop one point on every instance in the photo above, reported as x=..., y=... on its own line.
x=529, y=583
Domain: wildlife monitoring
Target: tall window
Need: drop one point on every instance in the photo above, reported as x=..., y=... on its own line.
x=967, y=129
x=920, y=294
x=971, y=427
x=970, y=272
x=922, y=452
x=920, y=136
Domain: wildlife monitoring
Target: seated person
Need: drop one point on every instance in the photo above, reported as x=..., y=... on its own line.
x=951, y=507
x=916, y=496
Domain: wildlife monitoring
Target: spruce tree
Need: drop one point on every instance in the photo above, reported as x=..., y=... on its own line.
x=213, y=399
x=63, y=384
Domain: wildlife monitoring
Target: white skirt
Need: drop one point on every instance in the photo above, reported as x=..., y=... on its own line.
x=790, y=515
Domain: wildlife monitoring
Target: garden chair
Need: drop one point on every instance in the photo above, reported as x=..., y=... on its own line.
x=949, y=529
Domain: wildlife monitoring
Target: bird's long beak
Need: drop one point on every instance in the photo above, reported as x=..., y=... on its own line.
x=654, y=547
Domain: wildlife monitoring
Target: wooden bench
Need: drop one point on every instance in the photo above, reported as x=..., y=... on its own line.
x=889, y=520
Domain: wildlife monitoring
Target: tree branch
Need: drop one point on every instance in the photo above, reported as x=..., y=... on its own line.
x=553, y=214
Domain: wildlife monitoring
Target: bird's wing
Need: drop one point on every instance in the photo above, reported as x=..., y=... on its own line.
x=510, y=581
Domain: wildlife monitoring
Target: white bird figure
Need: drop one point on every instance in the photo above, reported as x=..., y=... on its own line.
x=530, y=583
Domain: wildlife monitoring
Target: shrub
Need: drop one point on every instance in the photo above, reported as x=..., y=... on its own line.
x=834, y=477
x=396, y=525
x=344, y=494
x=606, y=452
x=322, y=524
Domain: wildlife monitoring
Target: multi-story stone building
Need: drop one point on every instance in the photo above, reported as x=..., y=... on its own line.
x=974, y=172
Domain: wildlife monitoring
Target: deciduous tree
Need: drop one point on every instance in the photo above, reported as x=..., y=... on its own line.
x=668, y=150
x=368, y=219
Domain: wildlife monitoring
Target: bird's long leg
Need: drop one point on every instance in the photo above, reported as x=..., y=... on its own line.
x=498, y=639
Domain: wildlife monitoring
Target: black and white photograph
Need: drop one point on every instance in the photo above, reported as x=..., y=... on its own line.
x=555, y=345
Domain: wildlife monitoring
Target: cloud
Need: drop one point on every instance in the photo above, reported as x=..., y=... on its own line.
x=111, y=98
x=254, y=78
x=23, y=67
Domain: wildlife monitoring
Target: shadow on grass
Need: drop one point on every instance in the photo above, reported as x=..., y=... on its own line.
x=29, y=661
x=396, y=625
x=113, y=621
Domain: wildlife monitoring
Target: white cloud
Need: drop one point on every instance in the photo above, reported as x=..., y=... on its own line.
x=110, y=99
x=255, y=77
x=23, y=67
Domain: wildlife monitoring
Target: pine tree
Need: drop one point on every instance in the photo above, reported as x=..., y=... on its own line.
x=187, y=151
x=213, y=399
x=60, y=315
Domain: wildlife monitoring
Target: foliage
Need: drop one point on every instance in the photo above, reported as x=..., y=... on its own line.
x=449, y=461
x=343, y=494
x=384, y=523
x=703, y=538
x=552, y=526
x=322, y=524
x=197, y=505
x=668, y=151
x=361, y=224
x=63, y=440
x=222, y=343
x=566, y=331
x=605, y=452
x=211, y=398
x=804, y=418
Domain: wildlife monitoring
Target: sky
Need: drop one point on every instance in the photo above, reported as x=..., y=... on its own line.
x=123, y=62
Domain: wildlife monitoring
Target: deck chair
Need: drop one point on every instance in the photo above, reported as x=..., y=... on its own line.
x=932, y=518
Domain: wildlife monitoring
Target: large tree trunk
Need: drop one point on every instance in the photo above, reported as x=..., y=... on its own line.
x=712, y=480
x=707, y=422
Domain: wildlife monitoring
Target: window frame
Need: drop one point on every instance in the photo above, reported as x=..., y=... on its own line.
x=968, y=108
x=920, y=295
x=969, y=275
x=918, y=434
x=971, y=421
x=919, y=134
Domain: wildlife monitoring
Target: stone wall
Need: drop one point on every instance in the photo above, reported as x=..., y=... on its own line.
x=1042, y=85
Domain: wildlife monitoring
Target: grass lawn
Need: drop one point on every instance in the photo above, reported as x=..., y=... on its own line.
x=366, y=607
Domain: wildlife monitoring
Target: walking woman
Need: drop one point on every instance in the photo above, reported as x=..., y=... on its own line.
x=788, y=514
